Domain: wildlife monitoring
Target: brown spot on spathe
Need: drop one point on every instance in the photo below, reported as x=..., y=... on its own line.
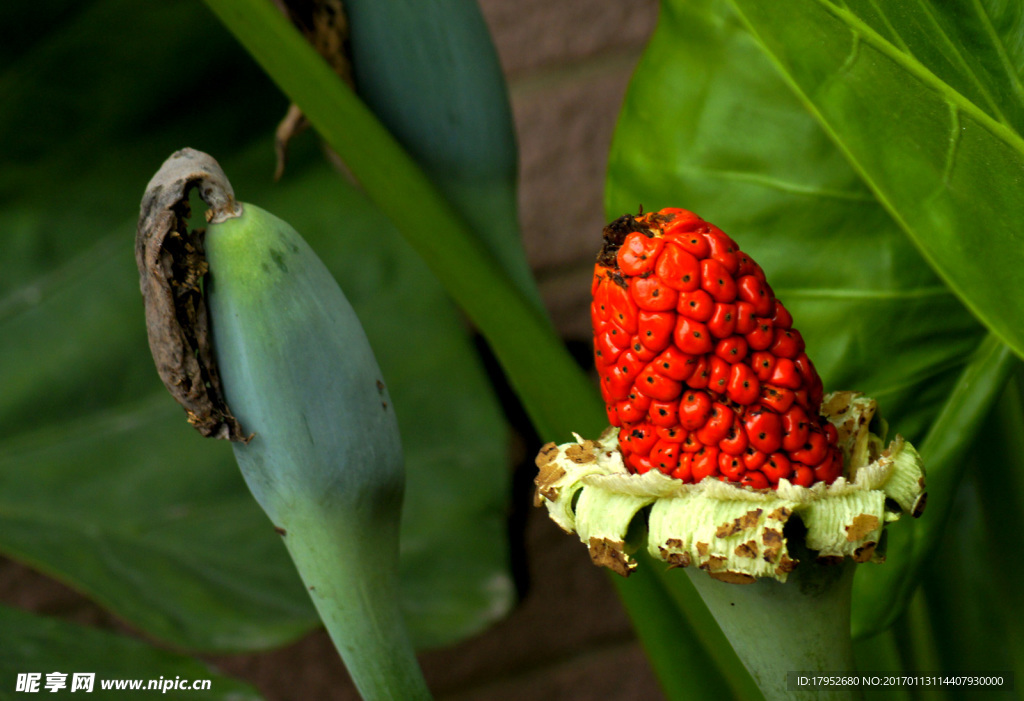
x=864, y=552
x=671, y=553
x=714, y=563
x=733, y=577
x=547, y=454
x=786, y=565
x=862, y=525
x=549, y=473
x=581, y=454
x=921, y=502
x=611, y=554
x=748, y=549
x=745, y=522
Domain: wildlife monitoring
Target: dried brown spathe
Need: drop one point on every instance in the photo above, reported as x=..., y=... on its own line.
x=171, y=267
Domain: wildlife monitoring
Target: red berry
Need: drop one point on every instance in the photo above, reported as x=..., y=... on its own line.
x=693, y=337
x=678, y=268
x=788, y=343
x=697, y=305
x=694, y=409
x=639, y=438
x=777, y=399
x=763, y=364
x=652, y=294
x=731, y=467
x=732, y=349
x=665, y=414
x=781, y=318
x=654, y=329
x=750, y=289
x=675, y=364
x=680, y=220
x=764, y=429
x=777, y=467
x=735, y=443
x=717, y=427
x=753, y=458
x=641, y=351
x=723, y=249
x=701, y=374
x=755, y=480
x=627, y=412
x=745, y=319
x=762, y=336
x=665, y=456
x=722, y=323
x=639, y=253
x=785, y=374
x=675, y=434
x=693, y=243
x=814, y=450
x=623, y=309
x=657, y=386
x=718, y=374
x=795, y=428
x=705, y=463
x=717, y=281
x=683, y=470
x=743, y=387
x=802, y=476
x=606, y=347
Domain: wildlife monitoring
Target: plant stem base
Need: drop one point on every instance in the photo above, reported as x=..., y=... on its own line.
x=776, y=628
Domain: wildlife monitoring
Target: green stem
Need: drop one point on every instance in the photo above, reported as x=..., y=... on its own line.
x=802, y=625
x=358, y=604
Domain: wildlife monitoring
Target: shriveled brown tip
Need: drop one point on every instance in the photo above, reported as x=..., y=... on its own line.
x=171, y=264
x=614, y=236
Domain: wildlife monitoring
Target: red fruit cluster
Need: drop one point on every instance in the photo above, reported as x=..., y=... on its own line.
x=700, y=365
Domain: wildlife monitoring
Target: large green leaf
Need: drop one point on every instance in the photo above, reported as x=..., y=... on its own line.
x=102, y=484
x=710, y=125
x=44, y=646
x=924, y=99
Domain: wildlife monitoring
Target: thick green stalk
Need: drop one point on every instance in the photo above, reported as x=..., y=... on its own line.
x=802, y=625
x=353, y=584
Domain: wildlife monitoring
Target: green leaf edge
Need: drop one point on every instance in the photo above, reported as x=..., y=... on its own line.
x=997, y=129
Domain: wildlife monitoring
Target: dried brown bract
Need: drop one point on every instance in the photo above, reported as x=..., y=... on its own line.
x=171, y=268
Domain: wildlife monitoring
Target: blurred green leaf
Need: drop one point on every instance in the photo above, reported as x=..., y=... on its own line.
x=925, y=100
x=430, y=73
x=882, y=593
x=34, y=644
x=992, y=565
x=102, y=484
